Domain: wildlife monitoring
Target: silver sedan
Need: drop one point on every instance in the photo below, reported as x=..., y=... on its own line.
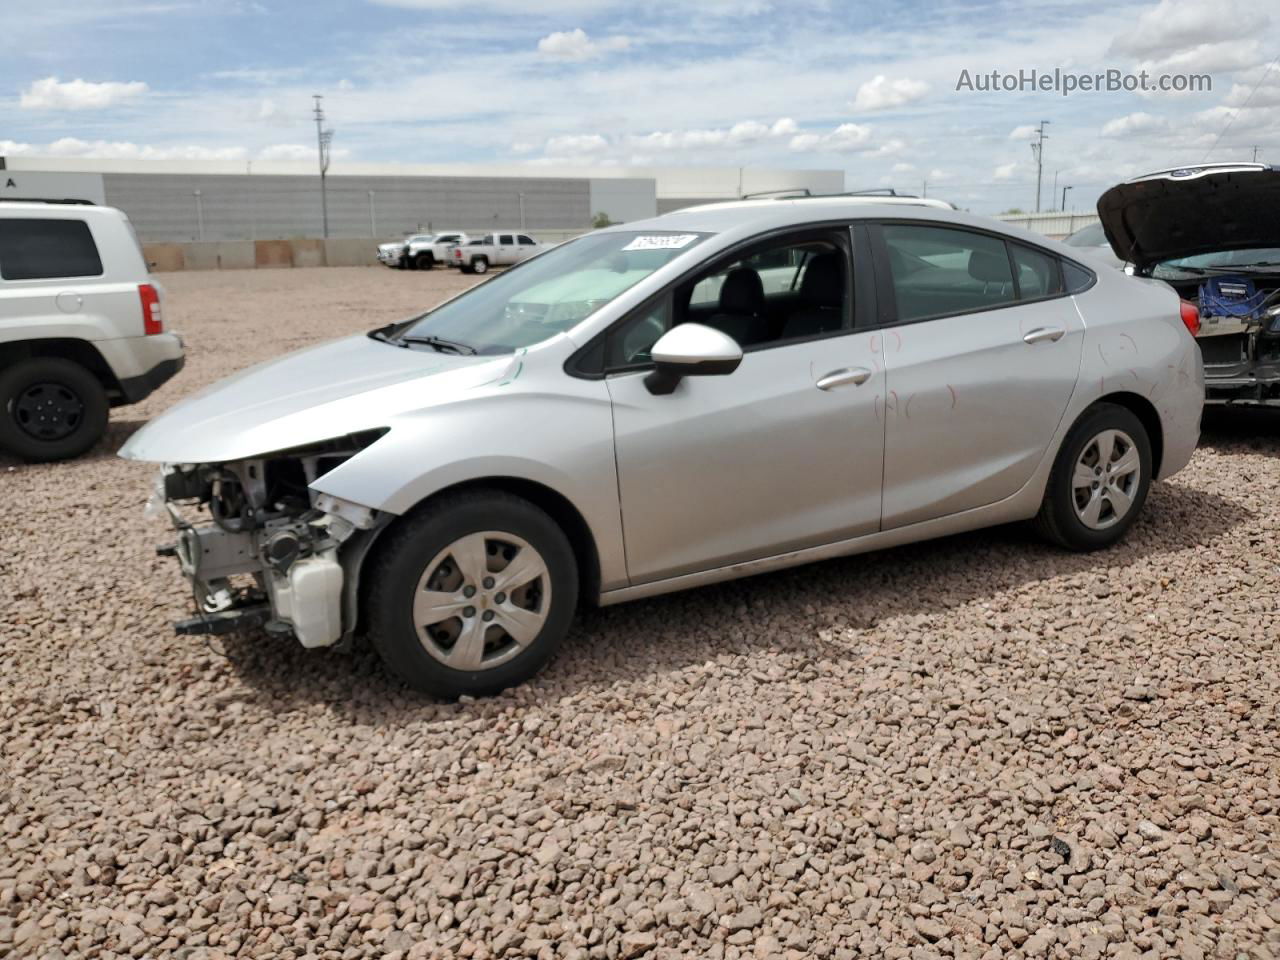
x=651, y=407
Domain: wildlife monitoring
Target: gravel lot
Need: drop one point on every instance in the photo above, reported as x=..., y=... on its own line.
x=978, y=747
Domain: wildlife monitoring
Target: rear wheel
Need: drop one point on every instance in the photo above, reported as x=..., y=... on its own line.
x=472, y=594
x=50, y=409
x=479, y=265
x=1100, y=480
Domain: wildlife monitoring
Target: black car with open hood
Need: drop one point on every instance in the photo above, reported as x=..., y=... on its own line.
x=1212, y=232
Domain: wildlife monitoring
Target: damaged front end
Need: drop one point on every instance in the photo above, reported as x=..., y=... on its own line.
x=1239, y=336
x=261, y=548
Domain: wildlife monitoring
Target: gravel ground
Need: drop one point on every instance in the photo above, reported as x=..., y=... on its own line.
x=978, y=747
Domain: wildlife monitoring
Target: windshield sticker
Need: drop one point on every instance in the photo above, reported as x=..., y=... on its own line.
x=668, y=242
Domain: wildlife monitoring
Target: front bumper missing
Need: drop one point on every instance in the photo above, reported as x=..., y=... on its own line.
x=284, y=576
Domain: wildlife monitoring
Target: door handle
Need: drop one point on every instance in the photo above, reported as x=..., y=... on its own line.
x=846, y=375
x=1052, y=334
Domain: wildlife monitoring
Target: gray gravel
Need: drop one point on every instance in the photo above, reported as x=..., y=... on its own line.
x=974, y=748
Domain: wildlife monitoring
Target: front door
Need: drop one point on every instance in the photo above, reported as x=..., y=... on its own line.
x=782, y=454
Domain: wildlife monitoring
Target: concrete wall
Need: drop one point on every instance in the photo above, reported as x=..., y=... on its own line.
x=39, y=185
x=167, y=207
x=1052, y=224
x=623, y=200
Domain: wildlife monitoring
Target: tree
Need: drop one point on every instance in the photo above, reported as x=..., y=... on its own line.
x=601, y=219
x=1013, y=210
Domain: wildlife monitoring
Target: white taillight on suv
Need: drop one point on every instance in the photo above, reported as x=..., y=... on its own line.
x=152, y=320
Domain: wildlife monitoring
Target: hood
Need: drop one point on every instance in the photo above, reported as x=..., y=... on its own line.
x=315, y=394
x=1180, y=213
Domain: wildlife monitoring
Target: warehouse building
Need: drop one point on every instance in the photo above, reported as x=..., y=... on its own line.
x=184, y=201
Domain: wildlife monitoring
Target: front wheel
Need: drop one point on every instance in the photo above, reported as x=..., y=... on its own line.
x=425, y=261
x=50, y=409
x=472, y=594
x=1100, y=480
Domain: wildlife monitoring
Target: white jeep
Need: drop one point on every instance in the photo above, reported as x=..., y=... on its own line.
x=81, y=326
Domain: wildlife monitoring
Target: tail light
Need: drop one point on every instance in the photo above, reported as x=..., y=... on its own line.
x=152, y=321
x=1191, y=317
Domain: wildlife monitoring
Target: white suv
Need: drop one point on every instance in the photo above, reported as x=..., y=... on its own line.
x=81, y=328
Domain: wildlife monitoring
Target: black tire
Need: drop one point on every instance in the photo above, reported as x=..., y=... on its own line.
x=416, y=541
x=68, y=394
x=424, y=261
x=1057, y=520
x=480, y=265
x=465, y=268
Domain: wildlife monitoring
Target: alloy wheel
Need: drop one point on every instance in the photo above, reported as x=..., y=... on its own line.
x=482, y=600
x=1105, y=480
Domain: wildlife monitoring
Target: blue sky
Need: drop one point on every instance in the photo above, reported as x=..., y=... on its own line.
x=869, y=88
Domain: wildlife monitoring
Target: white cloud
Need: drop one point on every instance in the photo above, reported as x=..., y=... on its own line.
x=846, y=138
x=1005, y=171
x=1264, y=95
x=576, y=45
x=1210, y=58
x=889, y=148
x=54, y=94
x=902, y=167
x=740, y=134
x=1025, y=132
x=881, y=93
x=938, y=176
x=574, y=144
x=288, y=151
x=126, y=150
x=1174, y=25
x=1134, y=123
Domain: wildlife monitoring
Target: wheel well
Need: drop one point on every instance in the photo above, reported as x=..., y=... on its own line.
x=66, y=348
x=1143, y=409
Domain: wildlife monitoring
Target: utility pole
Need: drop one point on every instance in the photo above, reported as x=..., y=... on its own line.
x=373, y=219
x=924, y=189
x=323, y=139
x=521, y=196
x=1255, y=153
x=1037, y=149
x=1064, y=199
x=1054, y=193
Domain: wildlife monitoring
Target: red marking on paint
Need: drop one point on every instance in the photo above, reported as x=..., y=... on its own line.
x=1135, y=374
x=894, y=394
x=1103, y=355
x=875, y=344
x=1132, y=341
x=877, y=406
x=897, y=339
x=1102, y=384
x=906, y=407
x=953, y=395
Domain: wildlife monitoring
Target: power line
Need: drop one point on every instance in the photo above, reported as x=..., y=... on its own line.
x=1240, y=109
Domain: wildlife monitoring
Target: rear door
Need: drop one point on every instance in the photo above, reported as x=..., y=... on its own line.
x=527, y=246
x=982, y=352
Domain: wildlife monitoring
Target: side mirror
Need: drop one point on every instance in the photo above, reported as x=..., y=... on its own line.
x=691, y=350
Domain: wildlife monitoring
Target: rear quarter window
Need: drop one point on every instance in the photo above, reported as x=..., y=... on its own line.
x=46, y=249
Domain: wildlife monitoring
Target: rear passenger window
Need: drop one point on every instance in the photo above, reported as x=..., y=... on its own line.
x=506, y=240
x=939, y=271
x=1077, y=278
x=47, y=249
x=1037, y=273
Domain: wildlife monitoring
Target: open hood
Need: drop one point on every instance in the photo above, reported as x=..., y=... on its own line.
x=1179, y=213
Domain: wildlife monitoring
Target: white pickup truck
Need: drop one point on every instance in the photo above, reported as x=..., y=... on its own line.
x=494, y=250
x=423, y=253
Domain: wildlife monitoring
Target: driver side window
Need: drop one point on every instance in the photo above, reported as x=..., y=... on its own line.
x=788, y=289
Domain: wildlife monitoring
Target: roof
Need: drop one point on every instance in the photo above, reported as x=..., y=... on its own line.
x=755, y=215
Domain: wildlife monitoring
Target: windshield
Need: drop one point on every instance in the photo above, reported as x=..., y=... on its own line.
x=548, y=294
x=1090, y=236
x=1224, y=260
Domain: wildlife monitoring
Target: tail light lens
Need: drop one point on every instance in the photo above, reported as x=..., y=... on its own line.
x=152, y=321
x=1191, y=317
